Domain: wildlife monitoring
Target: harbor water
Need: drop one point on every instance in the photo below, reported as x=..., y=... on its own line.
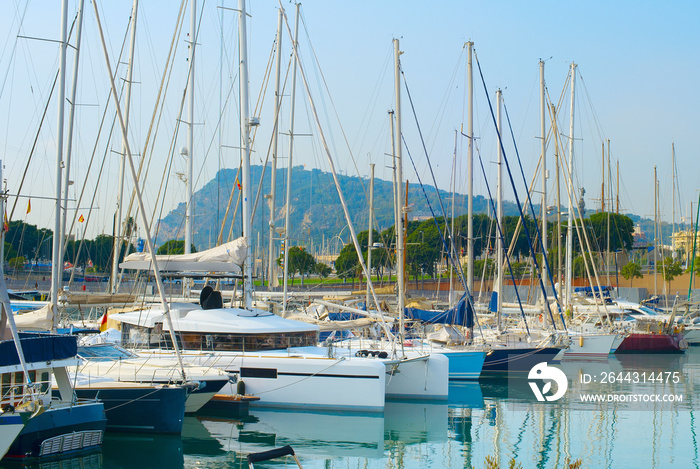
x=496, y=418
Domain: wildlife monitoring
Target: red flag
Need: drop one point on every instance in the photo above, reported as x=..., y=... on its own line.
x=103, y=323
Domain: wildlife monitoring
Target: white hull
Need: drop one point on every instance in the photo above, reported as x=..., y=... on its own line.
x=10, y=426
x=590, y=345
x=295, y=381
x=616, y=343
x=417, y=375
x=420, y=377
x=692, y=336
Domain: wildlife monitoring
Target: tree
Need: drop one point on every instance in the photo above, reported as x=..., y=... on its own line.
x=631, y=271
x=423, y=247
x=621, y=229
x=671, y=270
x=17, y=263
x=10, y=251
x=322, y=269
x=28, y=241
x=299, y=261
x=174, y=246
x=490, y=268
x=347, y=263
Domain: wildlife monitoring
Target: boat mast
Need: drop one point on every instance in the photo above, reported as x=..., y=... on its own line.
x=570, y=218
x=544, y=171
x=557, y=164
x=617, y=190
x=656, y=226
x=399, y=195
x=69, y=133
x=137, y=193
x=499, y=211
x=56, y=258
x=453, y=248
x=246, y=123
x=470, y=170
x=190, y=131
x=602, y=185
x=122, y=161
x=607, y=254
x=273, y=175
x=288, y=199
x=673, y=197
x=369, y=234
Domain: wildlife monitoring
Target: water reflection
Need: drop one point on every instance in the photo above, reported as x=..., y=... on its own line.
x=499, y=418
x=125, y=450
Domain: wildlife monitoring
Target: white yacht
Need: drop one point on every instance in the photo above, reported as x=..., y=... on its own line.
x=277, y=359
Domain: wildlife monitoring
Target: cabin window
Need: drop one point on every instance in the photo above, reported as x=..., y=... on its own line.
x=19, y=383
x=259, y=373
x=6, y=384
x=226, y=342
x=45, y=381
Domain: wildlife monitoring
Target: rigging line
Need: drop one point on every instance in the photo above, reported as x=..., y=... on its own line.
x=580, y=233
x=156, y=116
x=92, y=157
x=442, y=107
x=538, y=234
x=165, y=181
x=442, y=207
x=36, y=138
x=99, y=174
x=371, y=109
x=346, y=212
x=503, y=240
x=442, y=238
x=14, y=48
x=517, y=199
x=219, y=239
x=335, y=111
x=588, y=98
x=275, y=129
x=190, y=72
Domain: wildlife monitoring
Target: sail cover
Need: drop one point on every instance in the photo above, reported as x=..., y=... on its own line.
x=228, y=257
x=461, y=314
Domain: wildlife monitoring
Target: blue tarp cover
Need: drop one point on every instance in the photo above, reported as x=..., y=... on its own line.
x=39, y=348
x=461, y=314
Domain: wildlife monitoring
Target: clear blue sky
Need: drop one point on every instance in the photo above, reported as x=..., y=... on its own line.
x=638, y=67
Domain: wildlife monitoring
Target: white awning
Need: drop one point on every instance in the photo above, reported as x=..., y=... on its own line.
x=228, y=257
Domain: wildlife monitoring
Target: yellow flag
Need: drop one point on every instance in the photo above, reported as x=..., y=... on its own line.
x=29, y=205
x=81, y=219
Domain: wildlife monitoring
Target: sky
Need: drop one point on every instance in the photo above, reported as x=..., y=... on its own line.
x=637, y=64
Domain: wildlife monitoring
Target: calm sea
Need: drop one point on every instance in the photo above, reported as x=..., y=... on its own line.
x=495, y=418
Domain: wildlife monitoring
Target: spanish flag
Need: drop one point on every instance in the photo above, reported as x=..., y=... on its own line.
x=238, y=183
x=81, y=219
x=103, y=322
x=29, y=205
x=5, y=223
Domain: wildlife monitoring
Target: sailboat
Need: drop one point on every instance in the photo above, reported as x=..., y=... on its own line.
x=273, y=358
x=35, y=425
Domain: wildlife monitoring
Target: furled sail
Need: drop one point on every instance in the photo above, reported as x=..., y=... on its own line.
x=228, y=257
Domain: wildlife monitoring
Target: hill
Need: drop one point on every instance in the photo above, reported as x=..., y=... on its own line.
x=316, y=215
x=315, y=212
